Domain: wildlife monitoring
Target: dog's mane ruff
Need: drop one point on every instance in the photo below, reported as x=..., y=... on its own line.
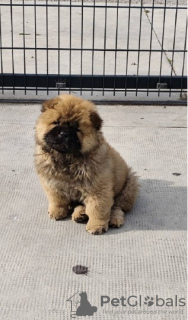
x=69, y=166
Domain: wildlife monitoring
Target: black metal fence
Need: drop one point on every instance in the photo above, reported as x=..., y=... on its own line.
x=117, y=46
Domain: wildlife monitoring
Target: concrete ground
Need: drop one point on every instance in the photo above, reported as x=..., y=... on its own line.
x=146, y=257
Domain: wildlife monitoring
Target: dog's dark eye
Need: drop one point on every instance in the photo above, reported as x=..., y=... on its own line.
x=56, y=122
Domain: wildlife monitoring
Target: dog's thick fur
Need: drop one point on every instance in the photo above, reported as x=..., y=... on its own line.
x=82, y=171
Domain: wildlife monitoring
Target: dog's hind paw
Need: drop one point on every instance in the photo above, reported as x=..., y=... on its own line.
x=117, y=218
x=79, y=214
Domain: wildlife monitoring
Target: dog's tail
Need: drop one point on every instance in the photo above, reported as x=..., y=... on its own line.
x=127, y=197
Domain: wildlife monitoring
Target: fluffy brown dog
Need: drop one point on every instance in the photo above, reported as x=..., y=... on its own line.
x=78, y=168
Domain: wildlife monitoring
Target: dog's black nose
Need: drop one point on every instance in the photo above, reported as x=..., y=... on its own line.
x=63, y=134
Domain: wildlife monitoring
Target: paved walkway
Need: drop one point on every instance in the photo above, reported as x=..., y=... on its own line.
x=146, y=257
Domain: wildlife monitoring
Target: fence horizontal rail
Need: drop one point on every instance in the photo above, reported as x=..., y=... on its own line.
x=82, y=5
x=88, y=49
x=95, y=81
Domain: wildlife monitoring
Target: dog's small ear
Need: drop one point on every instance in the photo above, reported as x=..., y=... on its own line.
x=49, y=104
x=96, y=120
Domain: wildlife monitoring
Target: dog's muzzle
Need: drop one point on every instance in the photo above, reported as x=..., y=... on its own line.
x=63, y=138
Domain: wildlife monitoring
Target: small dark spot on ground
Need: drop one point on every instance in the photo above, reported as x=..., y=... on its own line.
x=78, y=269
x=176, y=174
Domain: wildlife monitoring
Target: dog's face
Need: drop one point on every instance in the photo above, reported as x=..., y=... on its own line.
x=68, y=125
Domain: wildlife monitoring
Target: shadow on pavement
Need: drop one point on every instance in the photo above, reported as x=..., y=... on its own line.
x=160, y=206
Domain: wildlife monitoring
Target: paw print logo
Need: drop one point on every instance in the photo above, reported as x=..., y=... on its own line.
x=149, y=301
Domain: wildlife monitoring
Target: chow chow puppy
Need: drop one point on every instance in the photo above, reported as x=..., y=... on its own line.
x=77, y=167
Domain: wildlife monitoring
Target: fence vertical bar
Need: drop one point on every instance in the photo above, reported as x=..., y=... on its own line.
x=12, y=43
x=104, y=55
x=47, y=44
x=116, y=43
x=174, y=41
x=162, y=45
x=24, y=56
x=1, y=51
x=36, y=66
x=70, y=55
x=58, y=32
x=139, y=42
x=183, y=64
x=150, y=46
x=82, y=26
x=93, y=46
x=127, y=56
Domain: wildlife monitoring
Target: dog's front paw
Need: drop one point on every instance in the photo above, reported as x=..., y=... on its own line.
x=98, y=227
x=57, y=213
x=79, y=214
